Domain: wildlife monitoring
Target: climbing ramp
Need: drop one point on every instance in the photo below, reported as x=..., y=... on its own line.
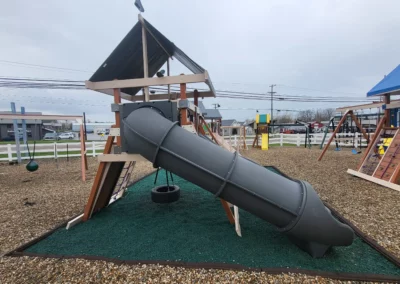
x=123, y=181
x=388, y=168
x=381, y=163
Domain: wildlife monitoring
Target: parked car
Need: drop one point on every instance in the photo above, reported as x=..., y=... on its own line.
x=50, y=136
x=67, y=135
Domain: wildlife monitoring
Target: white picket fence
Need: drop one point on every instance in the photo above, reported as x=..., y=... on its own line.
x=52, y=150
x=57, y=150
x=343, y=139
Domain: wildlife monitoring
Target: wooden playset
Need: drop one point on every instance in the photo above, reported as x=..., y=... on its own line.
x=261, y=127
x=116, y=167
x=381, y=160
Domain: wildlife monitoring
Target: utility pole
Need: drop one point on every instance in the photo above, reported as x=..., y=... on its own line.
x=272, y=102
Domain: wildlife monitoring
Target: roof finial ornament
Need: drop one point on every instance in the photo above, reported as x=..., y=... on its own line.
x=139, y=5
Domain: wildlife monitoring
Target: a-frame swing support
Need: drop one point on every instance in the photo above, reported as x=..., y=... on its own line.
x=337, y=129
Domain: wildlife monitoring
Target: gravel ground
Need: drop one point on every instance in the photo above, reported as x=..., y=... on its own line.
x=33, y=203
x=372, y=208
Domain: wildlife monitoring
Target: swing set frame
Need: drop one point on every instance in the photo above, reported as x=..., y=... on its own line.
x=78, y=118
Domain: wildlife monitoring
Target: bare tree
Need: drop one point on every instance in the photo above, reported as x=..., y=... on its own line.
x=318, y=115
x=329, y=113
x=284, y=118
x=306, y=115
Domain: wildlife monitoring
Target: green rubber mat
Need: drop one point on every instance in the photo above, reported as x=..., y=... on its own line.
x=195, y=229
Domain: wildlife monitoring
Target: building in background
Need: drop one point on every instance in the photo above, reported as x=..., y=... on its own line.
x=213, y=116
x=33, y=127
x=93, y=127
x=229, y=131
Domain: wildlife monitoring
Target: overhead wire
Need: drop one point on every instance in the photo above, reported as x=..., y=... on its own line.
x=43, y=66
x=36, y=83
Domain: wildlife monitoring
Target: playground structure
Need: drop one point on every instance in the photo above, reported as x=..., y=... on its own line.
x=241, y=134
x=261, y=127
x=350, y=113
x=381, y=161
x=170, y=133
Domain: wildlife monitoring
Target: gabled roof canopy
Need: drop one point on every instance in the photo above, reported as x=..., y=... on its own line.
x=388, y=85
x=126, y=61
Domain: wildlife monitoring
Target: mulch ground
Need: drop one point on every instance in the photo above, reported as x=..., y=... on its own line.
x=33, y=203
x=372, y=208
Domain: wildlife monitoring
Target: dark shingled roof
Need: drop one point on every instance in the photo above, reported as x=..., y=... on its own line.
x=126, y=61
x=209, y=113
x=227, y=122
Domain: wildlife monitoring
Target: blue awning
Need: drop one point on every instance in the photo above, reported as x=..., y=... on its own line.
x=389, y=84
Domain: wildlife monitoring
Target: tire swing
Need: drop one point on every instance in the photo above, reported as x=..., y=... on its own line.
x=32, y=166
x=165, y=193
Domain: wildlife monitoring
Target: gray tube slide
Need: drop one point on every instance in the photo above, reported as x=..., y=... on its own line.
x=293, y=206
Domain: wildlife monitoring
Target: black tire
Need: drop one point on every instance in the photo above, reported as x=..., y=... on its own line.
x=165, y=194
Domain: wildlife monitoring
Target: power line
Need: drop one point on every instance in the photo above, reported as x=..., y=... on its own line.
x=43, y=66
x=36, y=83
x=288, y=86
x=316, y=90
x=23, y=64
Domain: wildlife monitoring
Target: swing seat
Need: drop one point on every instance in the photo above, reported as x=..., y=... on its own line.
x=338, y=149
x=32, y=166
x=354, y=151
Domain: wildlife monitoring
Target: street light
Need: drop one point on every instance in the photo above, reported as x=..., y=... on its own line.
x=216, y=105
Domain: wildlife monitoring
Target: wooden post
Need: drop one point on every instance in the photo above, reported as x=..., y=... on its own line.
x=183, y=111
x=334, y=134
x=85, y=152
x=117, y=100
x=228, y=211
x=386, y=100
x=145, y=63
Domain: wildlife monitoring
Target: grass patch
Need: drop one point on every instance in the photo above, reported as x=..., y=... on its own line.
x=30, y=142
x=51, y=153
